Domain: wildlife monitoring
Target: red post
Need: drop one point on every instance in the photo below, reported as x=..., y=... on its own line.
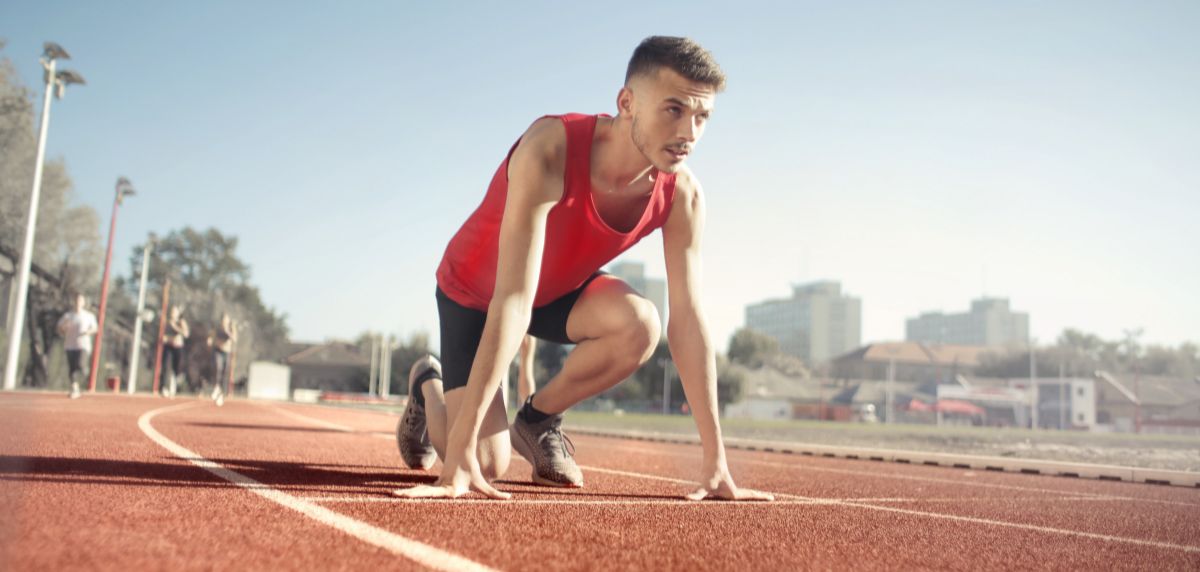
x=162, y=328
x=112, y=225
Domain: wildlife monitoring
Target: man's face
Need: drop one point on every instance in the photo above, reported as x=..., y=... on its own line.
x=669, y=115
x=80, y=302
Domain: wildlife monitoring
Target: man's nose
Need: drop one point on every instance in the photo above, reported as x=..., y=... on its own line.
x=688, y=130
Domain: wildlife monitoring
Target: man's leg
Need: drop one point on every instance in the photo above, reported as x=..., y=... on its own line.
x=616, y=331
x=74, y=371
x=440, y=409
x=435, y=396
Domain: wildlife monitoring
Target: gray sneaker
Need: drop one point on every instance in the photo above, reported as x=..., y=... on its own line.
x=549, y=451
x=412, y=435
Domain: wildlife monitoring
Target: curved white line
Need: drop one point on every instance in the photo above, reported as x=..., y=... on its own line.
x=419, y=552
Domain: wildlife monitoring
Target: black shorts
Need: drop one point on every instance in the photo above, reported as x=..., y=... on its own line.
x=462, y=328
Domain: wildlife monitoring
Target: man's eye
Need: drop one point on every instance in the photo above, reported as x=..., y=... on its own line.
x=673, y=111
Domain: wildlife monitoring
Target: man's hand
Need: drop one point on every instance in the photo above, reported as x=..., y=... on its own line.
x=460, y=475
x=717, y=484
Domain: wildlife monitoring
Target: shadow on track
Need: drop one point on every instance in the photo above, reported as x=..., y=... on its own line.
x=174, y=472
x=240, y=426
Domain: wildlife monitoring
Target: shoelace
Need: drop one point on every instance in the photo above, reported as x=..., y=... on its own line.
x=568, y=447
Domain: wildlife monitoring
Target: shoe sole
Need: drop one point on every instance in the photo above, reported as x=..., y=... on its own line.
x=522, y=448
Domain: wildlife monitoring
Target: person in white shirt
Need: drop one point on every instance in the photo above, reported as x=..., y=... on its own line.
x=77, y=328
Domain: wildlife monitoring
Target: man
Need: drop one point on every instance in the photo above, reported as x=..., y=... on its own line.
x=574, y=192
x=77, y=328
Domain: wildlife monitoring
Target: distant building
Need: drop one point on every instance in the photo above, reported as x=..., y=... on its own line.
x=989, y=323
x=331, y=366
x=817, y=323
x=908, y=361
x=655, y=290
x=1168, y=405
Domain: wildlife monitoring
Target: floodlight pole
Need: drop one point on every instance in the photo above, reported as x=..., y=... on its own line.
x=137, y=324
x=123, y=188
x=16, y=314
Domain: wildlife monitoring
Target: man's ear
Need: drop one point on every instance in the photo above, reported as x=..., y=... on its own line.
x=625, y=102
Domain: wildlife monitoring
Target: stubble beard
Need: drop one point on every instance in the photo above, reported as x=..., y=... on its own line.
x=639, y=142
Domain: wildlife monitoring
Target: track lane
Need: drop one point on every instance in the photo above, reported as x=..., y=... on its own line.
x=629, y=516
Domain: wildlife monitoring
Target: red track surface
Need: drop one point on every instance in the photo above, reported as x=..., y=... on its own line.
x=82, y=485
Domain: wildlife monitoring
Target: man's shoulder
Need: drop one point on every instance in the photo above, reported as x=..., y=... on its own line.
x=687, y=185
x=545, y=139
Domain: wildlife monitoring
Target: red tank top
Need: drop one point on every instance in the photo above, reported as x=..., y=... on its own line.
x=578, y=241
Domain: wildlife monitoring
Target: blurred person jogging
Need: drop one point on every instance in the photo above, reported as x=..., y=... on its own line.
x=174, y=337
x=221, y=339
x=574, y=192
x=77, y=328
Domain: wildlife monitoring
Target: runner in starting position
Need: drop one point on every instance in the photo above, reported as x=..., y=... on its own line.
x=573, y=193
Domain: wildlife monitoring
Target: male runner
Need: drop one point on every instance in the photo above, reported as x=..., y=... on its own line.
x=573, y=193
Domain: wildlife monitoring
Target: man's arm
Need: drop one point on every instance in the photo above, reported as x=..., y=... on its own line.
x=534, y=186
x=688, y=337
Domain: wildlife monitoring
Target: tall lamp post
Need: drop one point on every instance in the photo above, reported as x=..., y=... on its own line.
x=142, y=315
x=124, y=188
x=56, y=82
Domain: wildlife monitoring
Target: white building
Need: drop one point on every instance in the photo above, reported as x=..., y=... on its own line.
x=990, y=322
x=817, y=323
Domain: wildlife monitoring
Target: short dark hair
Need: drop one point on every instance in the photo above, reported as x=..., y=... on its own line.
x=682, y=55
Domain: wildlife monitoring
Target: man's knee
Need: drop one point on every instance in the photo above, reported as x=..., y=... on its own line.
x=640, y=331
x=494, y=457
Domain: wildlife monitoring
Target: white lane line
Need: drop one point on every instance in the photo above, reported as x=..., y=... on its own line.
x=926, y=514
x=419, y=552
x=882, y=475
x=938, y=515
x=679, y=502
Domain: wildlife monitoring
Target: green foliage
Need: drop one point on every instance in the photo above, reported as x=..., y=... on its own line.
x=403, y=356
x=1081, y=354
x=208, y=280
x=751, y=348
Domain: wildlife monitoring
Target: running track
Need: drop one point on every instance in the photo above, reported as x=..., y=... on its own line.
x=110, y=482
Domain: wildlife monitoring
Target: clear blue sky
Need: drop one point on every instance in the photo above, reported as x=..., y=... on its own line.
x=922, y=153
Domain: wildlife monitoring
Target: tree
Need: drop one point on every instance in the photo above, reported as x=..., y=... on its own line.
x=208, y=280
x=404, y=356
x=751, y=348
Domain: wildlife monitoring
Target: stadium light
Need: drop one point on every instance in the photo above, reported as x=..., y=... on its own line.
x=56, y=83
